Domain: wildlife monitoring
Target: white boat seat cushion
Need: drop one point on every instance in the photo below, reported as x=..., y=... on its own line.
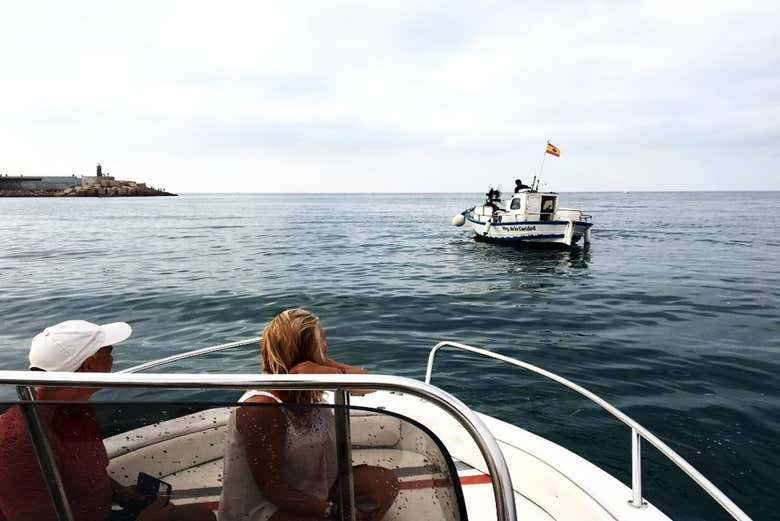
x=169, y=447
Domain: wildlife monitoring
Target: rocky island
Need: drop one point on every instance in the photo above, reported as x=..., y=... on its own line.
x=99, y=185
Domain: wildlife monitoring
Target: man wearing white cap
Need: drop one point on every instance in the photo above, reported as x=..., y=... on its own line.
x=74, y=436
x=68, y=345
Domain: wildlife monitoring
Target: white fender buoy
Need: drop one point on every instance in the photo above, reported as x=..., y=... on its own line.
x=458, y=220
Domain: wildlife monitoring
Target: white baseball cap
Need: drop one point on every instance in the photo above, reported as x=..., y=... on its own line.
x=67, y=345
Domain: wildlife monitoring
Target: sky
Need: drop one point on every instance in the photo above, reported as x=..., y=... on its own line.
x=394, y=96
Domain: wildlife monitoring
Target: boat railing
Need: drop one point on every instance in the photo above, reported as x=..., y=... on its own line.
x=340, y=384
x=190, y=354
x=638, y=432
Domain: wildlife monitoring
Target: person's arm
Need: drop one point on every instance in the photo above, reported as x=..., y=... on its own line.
x=346, y=369
x=125, y=496
x=264, y=432
x=315, y=368
x=329, y=366
x=157, y=512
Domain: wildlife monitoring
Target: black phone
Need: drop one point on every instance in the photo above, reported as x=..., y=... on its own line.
x=153, y=489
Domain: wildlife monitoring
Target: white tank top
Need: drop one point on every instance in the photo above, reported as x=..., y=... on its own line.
x=309, y=464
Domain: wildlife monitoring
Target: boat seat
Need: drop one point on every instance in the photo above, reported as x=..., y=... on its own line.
x=153, y=434
x=192, y=440
x=188, y=453
x=410, y=466
x=417, y=478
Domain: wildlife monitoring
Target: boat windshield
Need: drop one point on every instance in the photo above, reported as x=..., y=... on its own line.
x=228, y=460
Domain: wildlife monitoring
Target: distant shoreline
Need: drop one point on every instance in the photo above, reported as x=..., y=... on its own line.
x=149, y=192
x=86, y=186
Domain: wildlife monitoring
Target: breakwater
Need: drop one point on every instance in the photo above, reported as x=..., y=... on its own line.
x=85, y=186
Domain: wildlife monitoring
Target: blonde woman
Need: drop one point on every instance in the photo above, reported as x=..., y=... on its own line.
x=280, y=462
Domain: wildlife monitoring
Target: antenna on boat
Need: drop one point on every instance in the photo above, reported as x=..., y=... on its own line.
x=532, y=184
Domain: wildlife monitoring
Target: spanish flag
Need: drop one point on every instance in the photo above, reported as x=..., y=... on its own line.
x=553, y=150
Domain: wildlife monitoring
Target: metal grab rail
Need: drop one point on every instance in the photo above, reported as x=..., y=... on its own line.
x=637, y=432
x=190, y=354
x=42, y=450
x=468, y=419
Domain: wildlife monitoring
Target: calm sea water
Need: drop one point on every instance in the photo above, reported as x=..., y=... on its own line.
x=672, y=314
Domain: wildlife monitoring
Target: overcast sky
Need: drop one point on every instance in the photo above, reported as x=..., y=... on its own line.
x=394, y=97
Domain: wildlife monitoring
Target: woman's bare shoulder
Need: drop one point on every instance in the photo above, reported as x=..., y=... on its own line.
x=262, y=398
x=259, y=414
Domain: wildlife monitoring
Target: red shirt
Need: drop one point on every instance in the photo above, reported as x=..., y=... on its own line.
x=74, y=436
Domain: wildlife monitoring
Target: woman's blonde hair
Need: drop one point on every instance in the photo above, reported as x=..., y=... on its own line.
x=291, y=337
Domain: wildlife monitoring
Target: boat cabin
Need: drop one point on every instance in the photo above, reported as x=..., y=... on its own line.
x=533, y=206
x=528, y=205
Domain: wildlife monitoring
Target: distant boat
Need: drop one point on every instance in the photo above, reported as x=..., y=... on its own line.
x=528, y=216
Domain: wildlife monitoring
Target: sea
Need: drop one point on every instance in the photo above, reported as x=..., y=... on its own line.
x=672, y=314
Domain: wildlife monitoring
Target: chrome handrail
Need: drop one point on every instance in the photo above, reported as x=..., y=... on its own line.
x=637, y=432
x=190, y=354
x=468, y=419
x=44, y=455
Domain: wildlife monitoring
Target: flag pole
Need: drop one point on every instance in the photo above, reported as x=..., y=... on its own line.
x=541, y=168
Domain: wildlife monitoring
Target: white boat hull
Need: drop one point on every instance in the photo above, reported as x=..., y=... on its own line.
x=543, y=232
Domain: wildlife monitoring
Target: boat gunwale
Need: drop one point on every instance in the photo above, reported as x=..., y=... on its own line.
x=638, y=432
x=517, y=223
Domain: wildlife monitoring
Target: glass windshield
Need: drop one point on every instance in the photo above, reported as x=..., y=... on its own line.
x=259, y=460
